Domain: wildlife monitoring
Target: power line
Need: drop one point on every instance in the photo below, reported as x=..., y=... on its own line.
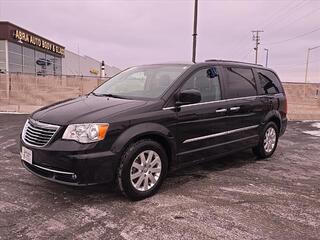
x=272, y=17
x=285, y=13
x=241, y=42
x=296, y=37
x=297, y=19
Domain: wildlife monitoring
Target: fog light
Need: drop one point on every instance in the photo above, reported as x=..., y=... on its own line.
x=74, y=176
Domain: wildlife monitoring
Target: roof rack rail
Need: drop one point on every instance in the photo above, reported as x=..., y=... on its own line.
x=232, y=61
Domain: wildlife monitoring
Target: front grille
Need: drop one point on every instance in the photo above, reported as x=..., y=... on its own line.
x=38, y=134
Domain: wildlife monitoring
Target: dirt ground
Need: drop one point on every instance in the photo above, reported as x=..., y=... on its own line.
x=236, y=197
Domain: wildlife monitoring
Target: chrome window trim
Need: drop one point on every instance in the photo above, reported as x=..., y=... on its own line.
x=222, y=100
x=219, y=134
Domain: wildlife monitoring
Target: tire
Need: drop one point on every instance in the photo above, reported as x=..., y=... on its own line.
x=268, y=141
x=139, y=161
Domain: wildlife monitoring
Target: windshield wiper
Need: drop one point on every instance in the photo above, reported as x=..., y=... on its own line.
x=108, y=95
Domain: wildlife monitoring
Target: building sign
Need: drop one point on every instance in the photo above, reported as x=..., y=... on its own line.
x=94, y=71
x=37, y=41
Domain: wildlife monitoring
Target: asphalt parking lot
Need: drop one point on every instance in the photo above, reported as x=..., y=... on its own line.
x=237, y=197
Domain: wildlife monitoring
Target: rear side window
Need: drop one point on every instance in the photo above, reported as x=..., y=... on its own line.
x=269, y=82
x=240, y=82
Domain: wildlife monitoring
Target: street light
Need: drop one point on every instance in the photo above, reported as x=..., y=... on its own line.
x=267, y=56
x=307, y=65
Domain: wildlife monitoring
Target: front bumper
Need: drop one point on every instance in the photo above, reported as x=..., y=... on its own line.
x=72, y=167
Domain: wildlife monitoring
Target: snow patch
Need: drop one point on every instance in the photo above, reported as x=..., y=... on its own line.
x=316, y=124
x=313, y=133
x=13, y=113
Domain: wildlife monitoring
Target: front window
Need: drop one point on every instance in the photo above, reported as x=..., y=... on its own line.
x=142, y=82
x=206, y=81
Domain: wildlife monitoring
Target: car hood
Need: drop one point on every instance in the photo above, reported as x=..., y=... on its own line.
x=85, y=109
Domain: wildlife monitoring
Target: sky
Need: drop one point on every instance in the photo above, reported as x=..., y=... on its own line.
x=133, y=32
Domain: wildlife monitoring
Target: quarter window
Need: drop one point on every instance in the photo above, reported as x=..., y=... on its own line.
x=240, y=82
x=269, y=82
x=206, y=81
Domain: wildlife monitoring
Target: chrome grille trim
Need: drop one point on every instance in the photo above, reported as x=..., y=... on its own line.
x=38, y=134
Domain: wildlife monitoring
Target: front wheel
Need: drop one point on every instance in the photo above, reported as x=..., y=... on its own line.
x=142, y=169
x=268, y=141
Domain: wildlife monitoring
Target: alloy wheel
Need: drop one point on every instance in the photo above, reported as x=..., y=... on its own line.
x=269, y=141
x=145, y=170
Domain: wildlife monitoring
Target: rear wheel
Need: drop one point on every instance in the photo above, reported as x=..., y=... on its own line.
x=142, y=169
x=268, y=141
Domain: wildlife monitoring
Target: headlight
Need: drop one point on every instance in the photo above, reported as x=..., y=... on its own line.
x=86, y=133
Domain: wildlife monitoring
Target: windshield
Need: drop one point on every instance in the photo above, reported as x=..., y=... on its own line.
x=141, y=82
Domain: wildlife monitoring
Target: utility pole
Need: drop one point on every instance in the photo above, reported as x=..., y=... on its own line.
x=256, y=38
x=267, y=56
x=194, y=35
x=307, y=65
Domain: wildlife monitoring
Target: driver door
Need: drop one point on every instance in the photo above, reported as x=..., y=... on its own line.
x=201, y=126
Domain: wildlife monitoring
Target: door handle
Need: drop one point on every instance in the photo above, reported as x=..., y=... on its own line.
x=234, y=108
x=220, y=110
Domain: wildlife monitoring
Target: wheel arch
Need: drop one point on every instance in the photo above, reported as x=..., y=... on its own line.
x=273, y=116
x=153, y=131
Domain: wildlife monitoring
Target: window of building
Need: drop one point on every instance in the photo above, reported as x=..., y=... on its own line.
x=57, y=66
x=14, y=48
x=15, y=68
x=240, y=82
x=207, y=82
x=29, y=69
x=49, y=64
x=2, y=57
x=2, y=45
x=2, y=52
x=28, y=60
x=269, y=82
x=15, y=57
x=2, y=67
x=40, y=63
x=29, y=52
x=29, y=66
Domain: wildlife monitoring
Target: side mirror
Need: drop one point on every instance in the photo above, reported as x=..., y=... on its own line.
x=188, y=96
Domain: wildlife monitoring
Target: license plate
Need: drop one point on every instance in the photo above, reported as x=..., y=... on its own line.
x=26, y=155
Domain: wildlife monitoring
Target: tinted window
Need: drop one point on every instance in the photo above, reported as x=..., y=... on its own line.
x=207, y=82
x=240, y=82
x=269, y=82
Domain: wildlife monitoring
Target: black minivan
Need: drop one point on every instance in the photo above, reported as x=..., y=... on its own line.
x=150, y=119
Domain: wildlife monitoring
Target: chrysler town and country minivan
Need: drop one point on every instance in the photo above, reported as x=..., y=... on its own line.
x=150, y=119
